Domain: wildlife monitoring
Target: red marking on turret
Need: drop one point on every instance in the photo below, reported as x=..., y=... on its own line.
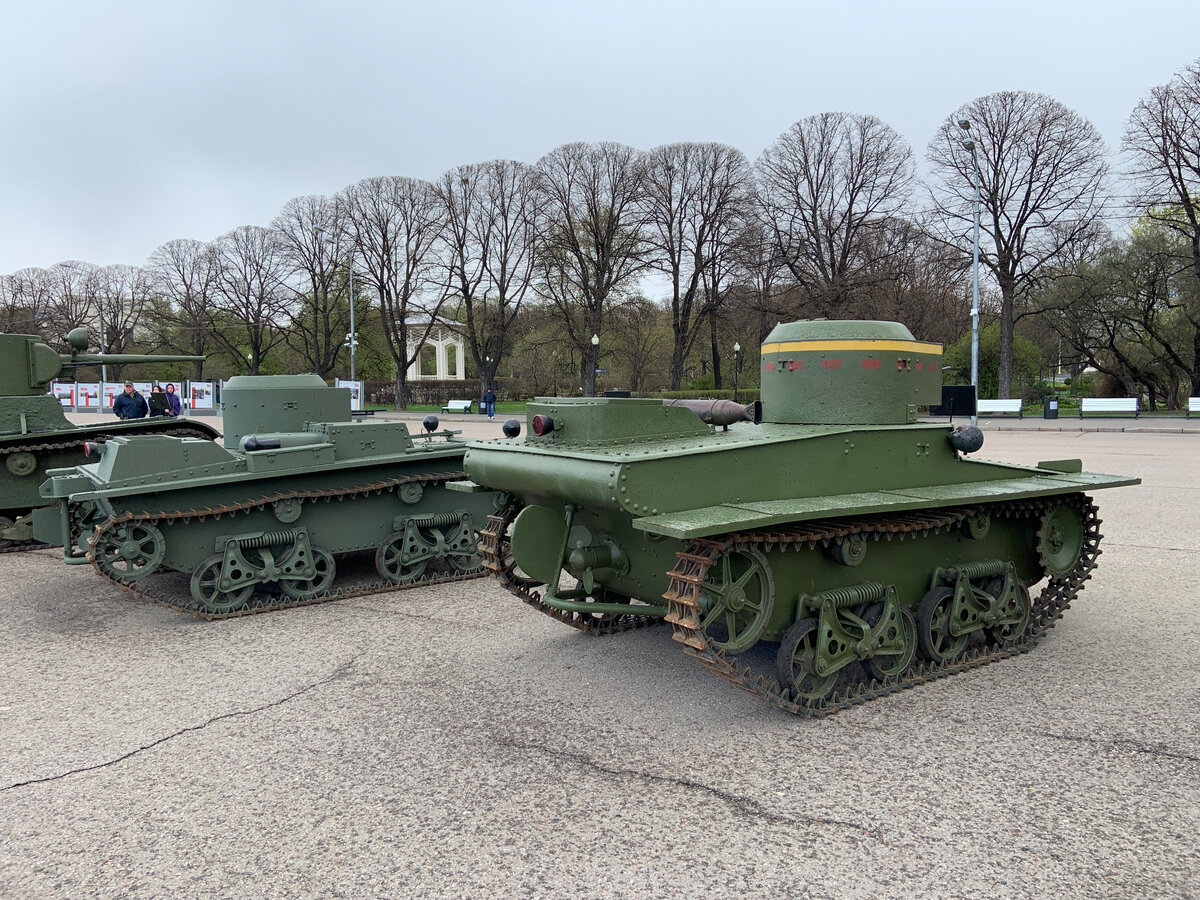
x=920, y=365
x=831, y=364
x=795, y=364
x=871, y=364
x=770, y=367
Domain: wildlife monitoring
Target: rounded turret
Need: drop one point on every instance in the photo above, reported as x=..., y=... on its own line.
x=822, y=372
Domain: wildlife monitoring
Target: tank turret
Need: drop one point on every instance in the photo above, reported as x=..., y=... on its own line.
x=839, y=551
x=847, y=373
x=30, y=364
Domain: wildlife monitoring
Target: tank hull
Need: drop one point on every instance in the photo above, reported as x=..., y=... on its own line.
x=853, y=559
x=29, y=457
x=269, y=529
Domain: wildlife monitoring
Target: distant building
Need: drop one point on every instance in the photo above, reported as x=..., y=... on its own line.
x=441, y=356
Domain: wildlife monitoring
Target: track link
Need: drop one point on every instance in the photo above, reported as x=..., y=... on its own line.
x=261, y=603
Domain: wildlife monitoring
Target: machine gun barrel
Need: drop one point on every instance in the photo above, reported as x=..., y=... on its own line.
x=721, y=412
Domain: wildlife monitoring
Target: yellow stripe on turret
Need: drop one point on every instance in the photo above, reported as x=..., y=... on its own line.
x=818, y=346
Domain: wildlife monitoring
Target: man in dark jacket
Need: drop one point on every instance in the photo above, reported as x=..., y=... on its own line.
x=131, y=404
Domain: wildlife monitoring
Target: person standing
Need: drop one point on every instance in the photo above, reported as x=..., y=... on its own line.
x=131, y=404
x=159, y=405
x=489, y=400
x=173, y=399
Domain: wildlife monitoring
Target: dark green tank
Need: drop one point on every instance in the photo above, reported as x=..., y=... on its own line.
x=838, y=551
x=299, y=492
x=36, y=436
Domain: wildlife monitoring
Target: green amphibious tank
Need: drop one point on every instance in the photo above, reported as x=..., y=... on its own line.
x=266, y=520
x=836, y=552
x=36, y=436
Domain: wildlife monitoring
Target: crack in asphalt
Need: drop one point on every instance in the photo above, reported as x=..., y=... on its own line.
x=747, y=806
x=337, y=673
x=1158, y=751
x=1125, y=546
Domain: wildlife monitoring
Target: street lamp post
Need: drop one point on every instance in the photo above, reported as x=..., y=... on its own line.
x=352, y=337
x=737, y=348
x=595, y=360
x=969, y=146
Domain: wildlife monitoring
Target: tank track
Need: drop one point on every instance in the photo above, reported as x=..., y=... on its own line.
x=493, y=542
x=690, y=572
x=7, y=546
x=260, y=603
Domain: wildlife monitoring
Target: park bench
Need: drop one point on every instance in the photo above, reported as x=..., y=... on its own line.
x=991, y=407
x=1193, y=406
x=1109, y=405
x=458, y=406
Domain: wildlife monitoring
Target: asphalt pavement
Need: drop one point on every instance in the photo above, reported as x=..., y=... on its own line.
x=449, y=741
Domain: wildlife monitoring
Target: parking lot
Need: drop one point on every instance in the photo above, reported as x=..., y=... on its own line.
x=449, y=741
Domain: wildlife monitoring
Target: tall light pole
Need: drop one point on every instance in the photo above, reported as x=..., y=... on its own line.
x=352, y=337
x=969, y=146
x=595, y=360
x=737, y=348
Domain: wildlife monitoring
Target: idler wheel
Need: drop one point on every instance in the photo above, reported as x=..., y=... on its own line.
x=738, y=598
x=881, y=666
x=130, y=551
x=795, y=664
x=206, y=588
x=307, y=588
x=934, y=639
x=1060, y=540
x=389, y=564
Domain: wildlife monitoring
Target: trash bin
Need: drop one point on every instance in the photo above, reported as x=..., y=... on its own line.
x=1050, y=411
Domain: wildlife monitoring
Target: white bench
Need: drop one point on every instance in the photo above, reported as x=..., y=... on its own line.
x=458, y=406
x=1109, y=405
x=1193, y=406
x=990, y=407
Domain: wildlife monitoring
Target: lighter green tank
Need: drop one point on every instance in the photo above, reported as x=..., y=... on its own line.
x=36, y=436
x=302, y=504
x=838, y=551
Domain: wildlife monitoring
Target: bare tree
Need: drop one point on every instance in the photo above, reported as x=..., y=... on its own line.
x=825, y=187
x=491, y=214
x=316, y=242
x=593, y=237
x=697, y=200
x=1162, y=138
x=1043, y=171
x=184, y=276
x=71, y=304
x=251, y=292
x=396, y=225
x=27, y=296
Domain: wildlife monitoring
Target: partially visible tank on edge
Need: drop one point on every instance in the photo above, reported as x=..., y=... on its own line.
x=264, y=521
x=36, y=436
x=835, y=553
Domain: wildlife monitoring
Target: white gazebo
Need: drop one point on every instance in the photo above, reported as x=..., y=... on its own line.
x=445, y=343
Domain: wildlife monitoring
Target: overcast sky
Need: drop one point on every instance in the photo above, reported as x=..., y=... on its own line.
x=127, y=124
